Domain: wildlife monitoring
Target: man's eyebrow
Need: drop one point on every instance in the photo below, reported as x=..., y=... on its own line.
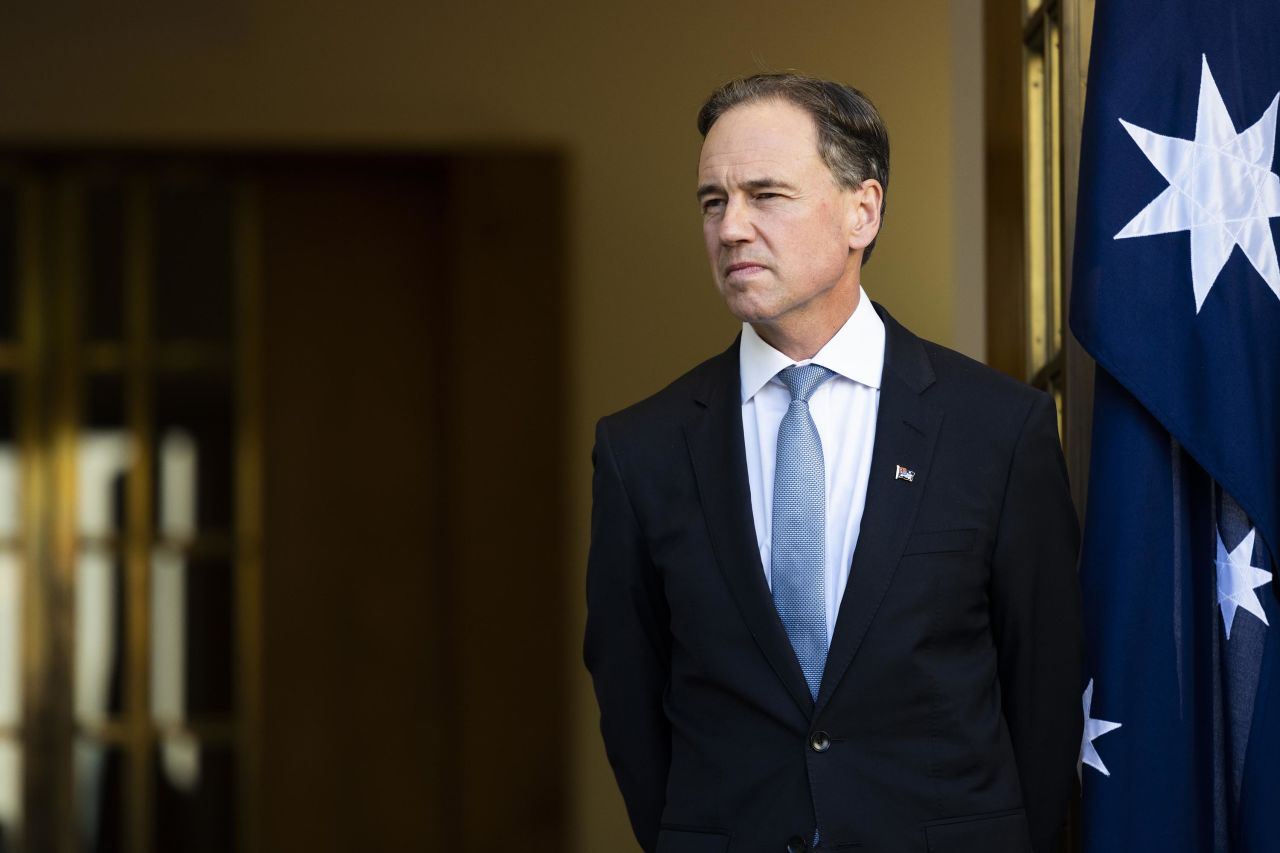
x=708, y=189
x=752, y=185
x=766, y=184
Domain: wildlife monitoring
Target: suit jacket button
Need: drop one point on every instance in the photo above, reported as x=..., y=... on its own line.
x=795, y=844
x=820, y=742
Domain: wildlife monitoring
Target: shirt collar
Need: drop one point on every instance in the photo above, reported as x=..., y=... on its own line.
x=855, y=352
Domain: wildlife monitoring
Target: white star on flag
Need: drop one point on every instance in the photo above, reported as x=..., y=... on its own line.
x=1221, y=189
x=1093, y=729
x=1237, y=580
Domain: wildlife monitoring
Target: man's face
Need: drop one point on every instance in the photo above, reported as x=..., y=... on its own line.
x=780, y=233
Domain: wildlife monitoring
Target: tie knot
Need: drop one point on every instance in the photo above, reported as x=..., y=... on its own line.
x=803, y=381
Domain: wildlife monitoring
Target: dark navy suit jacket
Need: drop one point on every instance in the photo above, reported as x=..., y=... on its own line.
x=949, y=715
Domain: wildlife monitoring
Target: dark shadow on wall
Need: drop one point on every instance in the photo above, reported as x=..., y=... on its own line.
x=414, y=411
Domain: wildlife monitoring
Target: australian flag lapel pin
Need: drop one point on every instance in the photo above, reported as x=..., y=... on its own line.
x=904, y=473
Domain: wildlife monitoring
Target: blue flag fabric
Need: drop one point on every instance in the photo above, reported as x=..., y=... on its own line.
x=1177, y=296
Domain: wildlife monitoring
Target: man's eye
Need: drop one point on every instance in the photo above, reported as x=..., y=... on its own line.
x=763, y=196
x=711, y=205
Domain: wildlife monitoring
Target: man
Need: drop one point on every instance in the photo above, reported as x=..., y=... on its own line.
x=831, y=591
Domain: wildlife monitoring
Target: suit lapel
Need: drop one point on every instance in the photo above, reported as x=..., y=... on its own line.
x=906, y=430
x=719, y=462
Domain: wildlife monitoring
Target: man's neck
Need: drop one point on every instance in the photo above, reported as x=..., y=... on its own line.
x=801, y=338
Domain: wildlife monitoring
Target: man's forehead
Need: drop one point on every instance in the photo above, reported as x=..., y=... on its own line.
x=755, y=165
x=746, y=161
x=764, y=135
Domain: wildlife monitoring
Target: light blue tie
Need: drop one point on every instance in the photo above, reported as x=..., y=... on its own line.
x=799, y=544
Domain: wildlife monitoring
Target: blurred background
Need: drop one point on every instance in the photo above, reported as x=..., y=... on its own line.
x=307, y=312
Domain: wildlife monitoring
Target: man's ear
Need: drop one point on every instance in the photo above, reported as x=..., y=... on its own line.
x=864, y=213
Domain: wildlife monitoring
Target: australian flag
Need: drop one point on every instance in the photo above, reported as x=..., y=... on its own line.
x=1177, y=296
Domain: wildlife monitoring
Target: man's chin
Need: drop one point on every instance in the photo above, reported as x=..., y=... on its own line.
x=752, y=317
x=749, y=310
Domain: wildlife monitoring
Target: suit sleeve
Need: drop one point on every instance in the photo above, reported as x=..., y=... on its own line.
x=1036, y=622
x=627, y=647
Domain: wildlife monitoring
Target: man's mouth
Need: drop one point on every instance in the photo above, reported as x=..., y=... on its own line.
x=743, y=269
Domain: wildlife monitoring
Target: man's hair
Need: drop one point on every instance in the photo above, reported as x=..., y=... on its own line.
x=852, y=138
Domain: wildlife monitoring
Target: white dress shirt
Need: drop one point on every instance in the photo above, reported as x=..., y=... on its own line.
x=844, y=411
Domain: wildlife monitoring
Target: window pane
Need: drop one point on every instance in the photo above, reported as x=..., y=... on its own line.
x=191, y=630
x=104, y=459
x=10, y=793
x=193, y=262
x=105, y=240
x=193, y=433
x=9, y=479
x=101, y=468
x=195, y=796
x=99, y=780
x=10, y=647
x=99, y=633
x=8, y=262
x=10, y=572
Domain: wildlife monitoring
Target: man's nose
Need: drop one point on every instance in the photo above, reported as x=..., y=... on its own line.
x=735, y=223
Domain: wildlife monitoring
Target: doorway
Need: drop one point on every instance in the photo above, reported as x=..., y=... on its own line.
x=285, y=496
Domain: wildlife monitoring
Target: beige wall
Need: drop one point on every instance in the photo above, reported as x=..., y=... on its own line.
x=614, y=85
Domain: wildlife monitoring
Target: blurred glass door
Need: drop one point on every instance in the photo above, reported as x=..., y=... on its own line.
x=128, y=555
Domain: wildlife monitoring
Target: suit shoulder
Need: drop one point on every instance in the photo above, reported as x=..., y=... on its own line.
x=669, y=407
x=979, y=390
x=952, y=381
